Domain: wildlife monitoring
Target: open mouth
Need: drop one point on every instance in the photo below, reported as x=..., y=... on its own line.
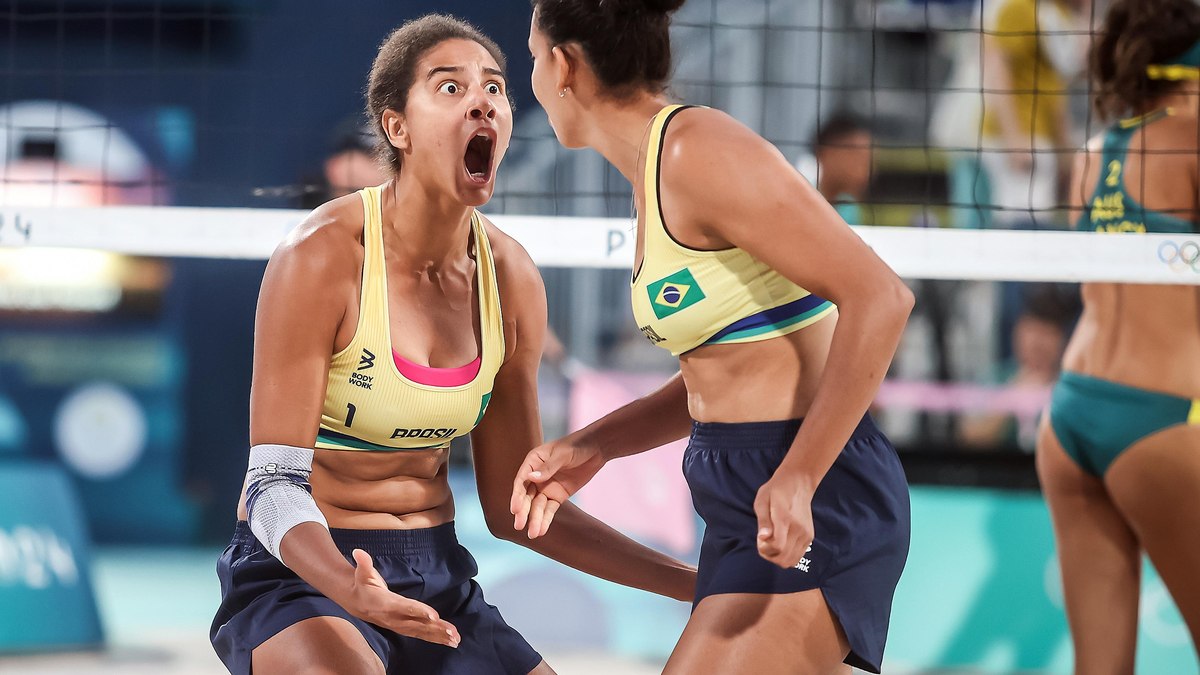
x=478, y=157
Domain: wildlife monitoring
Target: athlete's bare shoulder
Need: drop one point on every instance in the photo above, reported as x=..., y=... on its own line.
x=328, y=242
x=1088, y=155
x=1095, y=144
x=700, y=138
x=712, y=166
x=513, y=263
x=1172, y=149
x=1177, y=132
x=522, y=292
x=692, y=128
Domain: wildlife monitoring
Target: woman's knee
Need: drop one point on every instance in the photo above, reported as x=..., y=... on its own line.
x=318, y=646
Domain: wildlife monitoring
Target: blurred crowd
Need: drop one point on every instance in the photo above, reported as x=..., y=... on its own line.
x=1005, y=121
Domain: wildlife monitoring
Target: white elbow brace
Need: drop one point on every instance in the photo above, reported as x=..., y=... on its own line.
x=278, y=496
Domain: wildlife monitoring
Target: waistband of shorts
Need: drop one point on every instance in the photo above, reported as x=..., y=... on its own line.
x=1100, y=387
x=735, y=436
x=378, y=542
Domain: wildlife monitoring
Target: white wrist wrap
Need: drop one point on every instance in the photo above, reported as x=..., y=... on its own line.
x=278, y=496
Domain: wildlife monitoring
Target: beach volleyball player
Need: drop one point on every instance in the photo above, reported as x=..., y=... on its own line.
x=1119, y=453
x=778, y=313
x=390, y=322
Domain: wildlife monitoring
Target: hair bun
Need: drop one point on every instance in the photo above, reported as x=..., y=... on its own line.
x=663, y=6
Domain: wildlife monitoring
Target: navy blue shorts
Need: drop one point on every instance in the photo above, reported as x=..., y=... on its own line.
x=260, y=597
x=860, y=517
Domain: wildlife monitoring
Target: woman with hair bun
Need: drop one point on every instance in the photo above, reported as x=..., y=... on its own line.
x=1119, y=453
x=784, y=323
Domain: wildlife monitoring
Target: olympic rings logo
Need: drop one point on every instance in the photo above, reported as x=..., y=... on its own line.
x=1180, y=256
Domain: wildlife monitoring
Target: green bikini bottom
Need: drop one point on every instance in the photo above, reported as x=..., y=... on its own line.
x=1096, y=420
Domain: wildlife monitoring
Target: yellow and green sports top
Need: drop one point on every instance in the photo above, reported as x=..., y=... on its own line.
x=684, y=297
x=375, y=400
x=1112, y=209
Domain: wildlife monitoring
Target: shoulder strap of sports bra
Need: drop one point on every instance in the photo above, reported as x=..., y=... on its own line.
x=652, y=175
x=491, y=315
x=374, y=280
x=1116, y=141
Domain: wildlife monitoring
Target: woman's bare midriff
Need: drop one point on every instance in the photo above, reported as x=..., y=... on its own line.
x=763, y=381
x=1143, y=336
x=380, y=491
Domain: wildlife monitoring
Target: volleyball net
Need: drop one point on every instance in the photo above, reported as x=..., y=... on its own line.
x=153, y=153
x=204, y=130
x=231, y=103
x=608, y=243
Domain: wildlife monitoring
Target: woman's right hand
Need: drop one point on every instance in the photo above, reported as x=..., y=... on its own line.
x=550, y=474
x=371, y=600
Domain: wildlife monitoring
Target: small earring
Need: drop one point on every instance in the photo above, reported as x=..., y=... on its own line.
x=562, y=94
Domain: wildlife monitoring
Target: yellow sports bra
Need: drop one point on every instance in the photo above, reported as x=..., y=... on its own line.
x=684, y=297
x=374, y=399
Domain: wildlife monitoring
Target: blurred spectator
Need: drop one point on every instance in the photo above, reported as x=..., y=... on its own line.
x=351, y=165
x=1038, y=339
x=840, y=164
x=955, y=123
x=1031, y=49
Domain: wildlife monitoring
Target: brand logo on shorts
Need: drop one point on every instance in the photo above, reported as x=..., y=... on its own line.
x=805, y=561
x=367, y=360
x=674, y=293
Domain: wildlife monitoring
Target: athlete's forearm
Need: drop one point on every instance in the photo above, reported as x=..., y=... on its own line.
x=585, y=543
x=654, y=420
x=310, y=552
x=862, y=348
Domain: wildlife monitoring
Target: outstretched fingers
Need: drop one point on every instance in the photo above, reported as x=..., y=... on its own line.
x=525, y=488
x=393, y=611
x=541, y=513
x=416, y=619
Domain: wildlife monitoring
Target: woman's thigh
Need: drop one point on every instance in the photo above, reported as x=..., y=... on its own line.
x=761, y=634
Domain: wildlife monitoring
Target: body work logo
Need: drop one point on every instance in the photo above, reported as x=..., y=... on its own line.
x=367, y=360
x=674, y=293
x=805, y=562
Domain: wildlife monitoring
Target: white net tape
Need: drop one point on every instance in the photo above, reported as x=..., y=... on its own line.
x=915, y=253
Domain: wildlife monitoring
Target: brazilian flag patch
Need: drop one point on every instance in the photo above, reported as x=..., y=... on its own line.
x=674, y=293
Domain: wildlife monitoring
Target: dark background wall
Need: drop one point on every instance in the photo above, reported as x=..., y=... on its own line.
x=225, y=95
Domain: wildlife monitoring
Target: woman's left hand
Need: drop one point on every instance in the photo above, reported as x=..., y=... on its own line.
x=785, y=521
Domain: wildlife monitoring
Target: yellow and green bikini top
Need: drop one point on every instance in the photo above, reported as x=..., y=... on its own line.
x=375, y=400
x=684, y=297
x=1111, y=208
